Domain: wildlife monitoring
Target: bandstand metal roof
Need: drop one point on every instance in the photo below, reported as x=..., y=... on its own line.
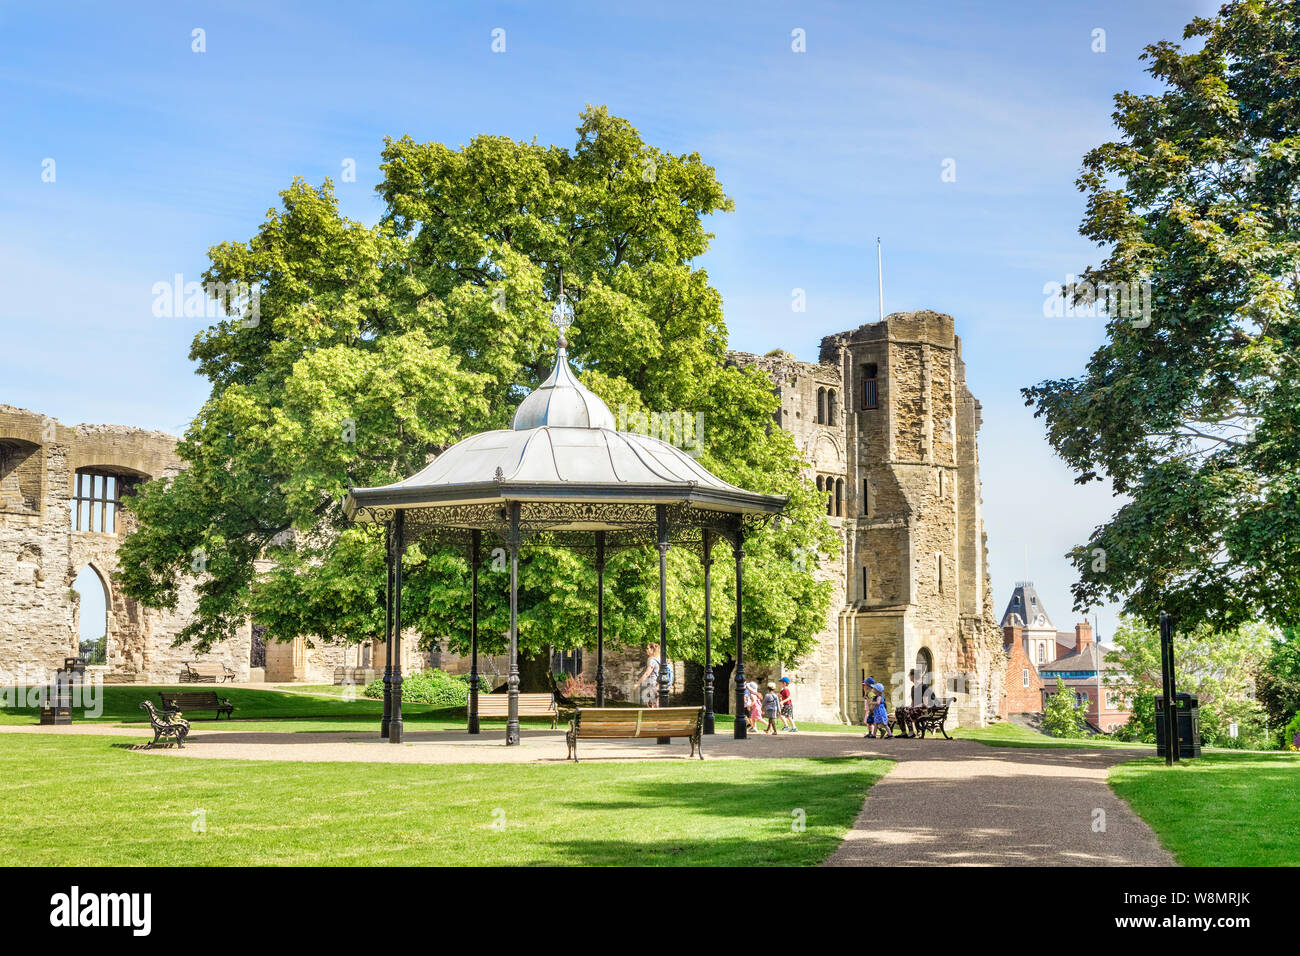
x=570, y=470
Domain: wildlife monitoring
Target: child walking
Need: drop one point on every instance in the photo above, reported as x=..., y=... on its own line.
x=881, y=718
x=787, y=707
x=753, y=705
x=771, y=704
x=869, y=705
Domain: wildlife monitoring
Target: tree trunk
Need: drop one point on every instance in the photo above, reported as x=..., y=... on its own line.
x=535, y=673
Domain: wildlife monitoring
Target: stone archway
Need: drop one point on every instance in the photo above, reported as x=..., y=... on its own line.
x=925, y=676
x=92, y=615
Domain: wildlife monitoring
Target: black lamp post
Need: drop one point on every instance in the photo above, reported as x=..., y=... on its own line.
x=1168, y=690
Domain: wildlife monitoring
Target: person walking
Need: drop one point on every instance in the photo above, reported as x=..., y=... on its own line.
x=869, y=705
x=753, y=704
x=649, y=682
x=881, y=715
x=787, y=707
x=771, y=707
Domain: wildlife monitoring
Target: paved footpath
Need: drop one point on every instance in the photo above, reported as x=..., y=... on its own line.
x=944, y=802
x=961, y=803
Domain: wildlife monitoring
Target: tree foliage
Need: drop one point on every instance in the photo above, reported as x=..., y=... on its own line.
x=1219, y=667
x=377, y=347
x=1277, y=678
x=1195, y=415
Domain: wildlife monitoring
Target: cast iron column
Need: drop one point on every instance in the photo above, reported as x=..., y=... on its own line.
x=388, y=632
x=600, y=619
x=399, y=545
x=475, y=540
x=661, y=514
x=708, y=632
x=738, y=551
x=512, y=680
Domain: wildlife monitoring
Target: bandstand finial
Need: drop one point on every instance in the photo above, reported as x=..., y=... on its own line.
x=562, y=317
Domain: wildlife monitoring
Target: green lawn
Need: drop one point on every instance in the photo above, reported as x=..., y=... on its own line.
x=1013, y=735
x=1222, y=809
x=88, y=801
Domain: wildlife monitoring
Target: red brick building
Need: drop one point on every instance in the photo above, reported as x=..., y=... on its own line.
x=1024, y=688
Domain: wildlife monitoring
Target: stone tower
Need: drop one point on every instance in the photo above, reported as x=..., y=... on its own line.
x=888, y=431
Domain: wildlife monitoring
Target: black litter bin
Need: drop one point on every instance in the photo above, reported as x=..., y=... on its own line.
x=1189, y=725
x=59, y=709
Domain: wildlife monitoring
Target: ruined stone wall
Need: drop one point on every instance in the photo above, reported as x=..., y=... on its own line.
x=41, y=553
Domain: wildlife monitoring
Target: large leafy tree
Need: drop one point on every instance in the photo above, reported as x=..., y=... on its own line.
x=378, y=347
x=1193, y=412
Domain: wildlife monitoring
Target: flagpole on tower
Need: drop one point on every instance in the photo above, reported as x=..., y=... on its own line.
x=880, y=275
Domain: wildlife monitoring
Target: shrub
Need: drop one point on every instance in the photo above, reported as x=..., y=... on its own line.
x=570, y=686
x=435, y=687
x=1061, y=718
x=1289, y=734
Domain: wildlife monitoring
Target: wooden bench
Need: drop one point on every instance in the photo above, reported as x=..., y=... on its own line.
x=356, y=675
x=611, y=723
x=928, y=718
x=205, y=673
x=182, y=700
x=166, y=725
x=530, y=705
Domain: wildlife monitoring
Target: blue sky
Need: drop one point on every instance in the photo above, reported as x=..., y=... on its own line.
x=161, y=152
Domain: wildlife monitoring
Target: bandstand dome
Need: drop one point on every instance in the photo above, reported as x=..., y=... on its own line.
x=563, y=446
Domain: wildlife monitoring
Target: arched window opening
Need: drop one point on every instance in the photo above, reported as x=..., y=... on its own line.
x=830, y=406
x=924, y=682
x=821, y=406
x=839, y=497
x=21, y=465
